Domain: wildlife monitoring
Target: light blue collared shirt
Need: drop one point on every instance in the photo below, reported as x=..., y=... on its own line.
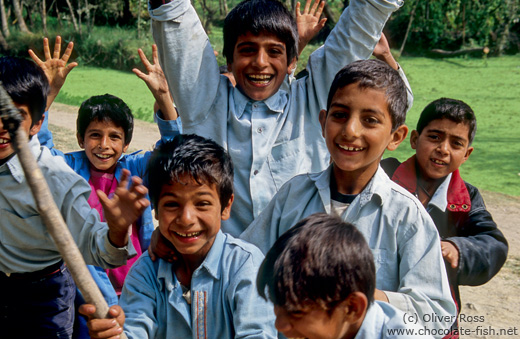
x=224, y=299
x=383, y=320
x=399, y=231
x=25, y=244
x=270, y=141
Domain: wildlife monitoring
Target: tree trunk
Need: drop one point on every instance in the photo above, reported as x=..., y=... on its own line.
x=19, y=16
x=412, y=15
x=73, y=17
x=5, y=28
x=80, y=12
x=44, y=17
x=3, y=43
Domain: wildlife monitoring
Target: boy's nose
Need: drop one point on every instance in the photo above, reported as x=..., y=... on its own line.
x=351, y=128
x=186, y=217
x=261, y=58
x=103, y=142
x=443, y=147
x=282, y=322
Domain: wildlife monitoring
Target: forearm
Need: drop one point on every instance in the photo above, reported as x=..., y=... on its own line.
x=187, y=59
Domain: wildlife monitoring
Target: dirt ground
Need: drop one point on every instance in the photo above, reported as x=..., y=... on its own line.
x=489, y=311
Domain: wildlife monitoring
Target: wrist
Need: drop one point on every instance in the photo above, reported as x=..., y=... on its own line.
x=118, y=239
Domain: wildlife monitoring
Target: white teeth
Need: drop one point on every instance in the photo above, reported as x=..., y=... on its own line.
x=357, y=149
x=260, y=78
x=4, y=141
x=188, y=235
x=103, y=156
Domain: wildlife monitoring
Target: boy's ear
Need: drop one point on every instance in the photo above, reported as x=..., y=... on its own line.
x=413, y=139
x=35, y=128
x=323, y=119
x=125, y=148
x=80, y=140
x=397, y=137
x=291, y=66
x=226, y=212
x=355, y=307
x=468, y=153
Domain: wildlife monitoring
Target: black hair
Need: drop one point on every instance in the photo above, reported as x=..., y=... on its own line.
x=260, y=16
x=375, y=74
x=321, y=260
x=452, y=109
x=26, y=84
x=188, y=154
x=105, y=108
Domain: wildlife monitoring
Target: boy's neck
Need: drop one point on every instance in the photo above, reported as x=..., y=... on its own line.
x=352, y=182
x=6, y=159
x=426, y=186
x=185, y=266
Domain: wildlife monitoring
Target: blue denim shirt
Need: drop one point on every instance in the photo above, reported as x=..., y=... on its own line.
x=25, y=244
x=269, y=141
x=224, y=300
x=402, y=236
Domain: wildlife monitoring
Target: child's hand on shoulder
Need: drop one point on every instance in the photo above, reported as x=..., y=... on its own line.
x=104, y=328
x=55, y=68
x=160, y=247
x=450, y=253
x=127, y=204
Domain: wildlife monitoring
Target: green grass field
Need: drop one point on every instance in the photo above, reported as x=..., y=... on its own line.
x=491, y=87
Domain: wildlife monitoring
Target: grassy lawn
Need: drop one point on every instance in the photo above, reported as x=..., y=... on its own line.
x=491, y=87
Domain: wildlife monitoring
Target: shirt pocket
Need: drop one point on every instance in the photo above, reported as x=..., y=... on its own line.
x=24, y=231
x=285, y=161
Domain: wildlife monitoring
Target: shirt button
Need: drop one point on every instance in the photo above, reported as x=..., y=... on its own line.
x=259, y=129
x=255, y=105
x=255, y=172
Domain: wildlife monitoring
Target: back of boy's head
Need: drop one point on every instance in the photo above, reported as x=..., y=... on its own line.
x=202, y=159
x=261, y=16
x=452, y=109
x=26, y=83
x=105, y=108
x=375, y=74
x=320, y=261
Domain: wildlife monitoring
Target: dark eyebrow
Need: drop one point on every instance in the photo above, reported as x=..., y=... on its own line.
x=444, y=133
x=369, y=110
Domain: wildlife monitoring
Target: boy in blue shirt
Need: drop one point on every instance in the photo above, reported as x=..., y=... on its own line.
x=473, y=247
x=271, y=134
x=321, y=277
x=365, y=115
x=34, y=282
x=210, y=290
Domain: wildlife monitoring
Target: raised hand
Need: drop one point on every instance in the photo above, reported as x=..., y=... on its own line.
x=383, y=53
x=157, y=84
x=55, y=68
x=124, y=208
x=309, y=22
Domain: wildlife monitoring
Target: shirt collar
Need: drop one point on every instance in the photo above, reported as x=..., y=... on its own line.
x=440, y=197
x=376, y=187
x=211, y=264
x=456, y=196
x=14, y=163
x=275, y=103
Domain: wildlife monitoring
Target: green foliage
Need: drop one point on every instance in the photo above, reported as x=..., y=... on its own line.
x=454, y=24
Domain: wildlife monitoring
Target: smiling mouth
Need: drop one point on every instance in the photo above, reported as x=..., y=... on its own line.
x=438, y=162
x=188, y=235
x=260, y=79
x=351, y=149
x=103, y=156
x=4, y=141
